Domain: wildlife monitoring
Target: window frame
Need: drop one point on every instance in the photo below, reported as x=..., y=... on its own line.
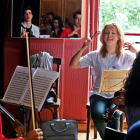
x=94, y=23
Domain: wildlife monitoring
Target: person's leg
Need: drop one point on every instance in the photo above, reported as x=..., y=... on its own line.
x=98, y=107
x=115, y=120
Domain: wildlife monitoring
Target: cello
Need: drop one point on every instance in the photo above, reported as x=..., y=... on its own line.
x=11, y=127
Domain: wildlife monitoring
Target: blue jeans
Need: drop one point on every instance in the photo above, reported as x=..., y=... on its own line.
x=98, y=106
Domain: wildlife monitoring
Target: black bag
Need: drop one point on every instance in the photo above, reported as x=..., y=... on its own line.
x=60, y=130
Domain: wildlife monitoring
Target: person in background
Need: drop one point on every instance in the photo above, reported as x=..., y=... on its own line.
x=74, y=31
x=27, y=26
x=111, y=56
x=57, y=27
x=47, y=23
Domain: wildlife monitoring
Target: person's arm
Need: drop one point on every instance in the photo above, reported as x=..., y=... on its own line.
x=74, y=63
x=72, y=33
x=36, y=134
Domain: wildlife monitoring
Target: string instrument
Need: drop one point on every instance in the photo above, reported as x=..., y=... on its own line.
x=11, y=127
x=118, y=100
x=71, y=26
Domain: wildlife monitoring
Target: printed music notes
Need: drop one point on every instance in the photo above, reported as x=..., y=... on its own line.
x=18, y=90
x=112, y=81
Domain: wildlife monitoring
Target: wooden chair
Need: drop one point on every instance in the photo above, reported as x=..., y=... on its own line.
x=92, y=75
x=55, y=111
x=54, y=108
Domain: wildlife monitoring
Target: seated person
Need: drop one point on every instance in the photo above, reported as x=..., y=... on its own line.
x=111, y=56
x=26, y=25
x=32, y=135
x=57, y=27
x=47, y=23
x=75, y=30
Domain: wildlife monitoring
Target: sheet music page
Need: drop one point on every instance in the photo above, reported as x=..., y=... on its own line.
x=112, y=81
x=17, y=85
x=42, y=82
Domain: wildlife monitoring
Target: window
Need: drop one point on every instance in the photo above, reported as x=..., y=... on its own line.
x=125, y=12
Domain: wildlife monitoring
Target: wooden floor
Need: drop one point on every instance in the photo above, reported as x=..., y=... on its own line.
x=82, y=135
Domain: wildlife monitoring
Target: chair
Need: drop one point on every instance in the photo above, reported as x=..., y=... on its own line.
x=54, y=108
x=92, y=75
x=55, y=113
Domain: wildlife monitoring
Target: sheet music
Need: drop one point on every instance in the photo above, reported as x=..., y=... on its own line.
x=112, y=81
x=42, y=82
x=17, y=85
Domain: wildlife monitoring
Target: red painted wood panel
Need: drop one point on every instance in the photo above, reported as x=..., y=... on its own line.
x=73, y=83
x=15, y=54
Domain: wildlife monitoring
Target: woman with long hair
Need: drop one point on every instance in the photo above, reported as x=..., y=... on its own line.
x=111, y=56
x=57, y=27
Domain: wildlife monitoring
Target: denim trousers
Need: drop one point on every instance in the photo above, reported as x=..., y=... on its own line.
x=99, y=105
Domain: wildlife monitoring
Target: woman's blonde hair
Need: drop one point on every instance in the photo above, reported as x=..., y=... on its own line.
x=120, y=42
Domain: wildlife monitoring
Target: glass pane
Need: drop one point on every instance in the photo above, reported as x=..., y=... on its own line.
x=125, y=12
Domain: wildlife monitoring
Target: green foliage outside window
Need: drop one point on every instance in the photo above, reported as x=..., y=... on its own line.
x=125, y=12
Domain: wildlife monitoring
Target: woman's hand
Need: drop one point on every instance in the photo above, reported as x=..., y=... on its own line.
x=86, y=44
x=130, y=47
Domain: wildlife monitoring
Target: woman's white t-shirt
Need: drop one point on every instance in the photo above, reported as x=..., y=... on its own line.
x=111, y=62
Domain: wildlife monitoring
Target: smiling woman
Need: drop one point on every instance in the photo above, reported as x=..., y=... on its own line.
x=40, y=9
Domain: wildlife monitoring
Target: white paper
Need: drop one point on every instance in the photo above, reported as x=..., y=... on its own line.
x=112, y=81
x=18, y=90
x=42, y=82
